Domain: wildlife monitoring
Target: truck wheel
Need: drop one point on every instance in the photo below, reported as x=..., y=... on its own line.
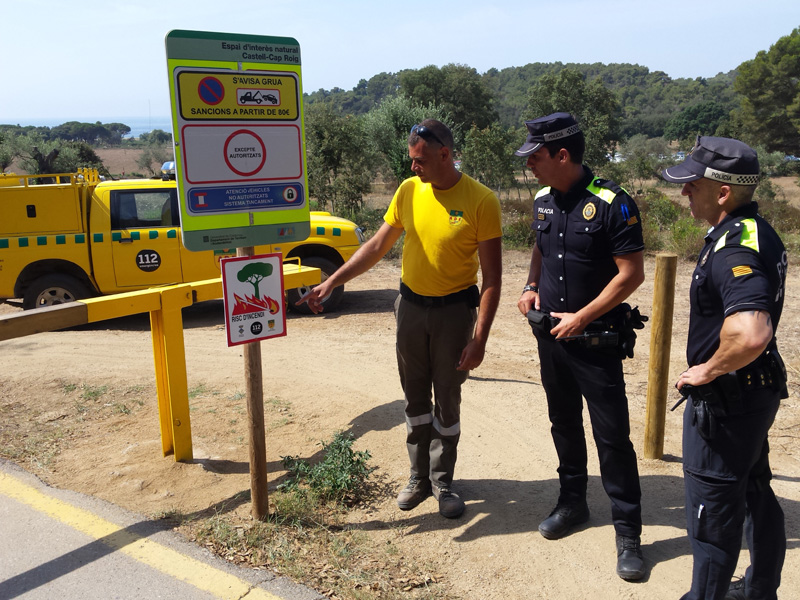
x=50, y=290
x=328, y=304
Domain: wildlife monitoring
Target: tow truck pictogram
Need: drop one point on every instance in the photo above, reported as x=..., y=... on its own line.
x=257, y=97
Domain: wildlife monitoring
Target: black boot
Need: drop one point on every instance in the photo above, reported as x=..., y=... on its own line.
x=736, y=590
x=563, y=518
x=630, y=563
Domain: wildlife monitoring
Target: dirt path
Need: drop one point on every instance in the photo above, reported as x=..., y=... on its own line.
x=338, y=372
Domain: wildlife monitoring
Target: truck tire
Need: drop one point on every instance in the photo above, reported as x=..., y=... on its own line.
x=53, y=289
x=328, y=304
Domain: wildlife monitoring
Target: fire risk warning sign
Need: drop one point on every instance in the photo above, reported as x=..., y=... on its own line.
x=252, y=288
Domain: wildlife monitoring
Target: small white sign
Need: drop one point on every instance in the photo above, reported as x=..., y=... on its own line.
x=252, y=288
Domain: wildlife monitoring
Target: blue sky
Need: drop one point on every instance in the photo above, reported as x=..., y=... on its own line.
x=101, y=59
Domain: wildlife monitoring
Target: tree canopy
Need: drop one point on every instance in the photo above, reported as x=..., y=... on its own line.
x=648, y=100
x=341, y=165
x=591, y=103
x=457, y=89
x=90, y=133
x=769, y=86
x=42, y=156
x=704, y=118
x=389, y=124
x=488, y=155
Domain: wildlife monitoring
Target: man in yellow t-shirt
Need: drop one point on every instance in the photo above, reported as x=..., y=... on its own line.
x=453, y=226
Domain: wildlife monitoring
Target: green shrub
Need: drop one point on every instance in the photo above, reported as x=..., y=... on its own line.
x=660, y=210
x=518, y=233
x=517, y=217
x=653, y=236
x=686, y=238
x=369, y=219
x=775, y=208
x=340, y=476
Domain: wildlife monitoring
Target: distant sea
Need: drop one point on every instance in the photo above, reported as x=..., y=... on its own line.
x=138, y=125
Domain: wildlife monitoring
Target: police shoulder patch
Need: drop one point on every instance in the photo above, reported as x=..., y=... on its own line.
x=741, y=270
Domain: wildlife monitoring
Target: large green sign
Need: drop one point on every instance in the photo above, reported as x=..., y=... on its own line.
x=237, y=118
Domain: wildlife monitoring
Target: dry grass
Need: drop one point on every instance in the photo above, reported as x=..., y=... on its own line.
x=790, y=186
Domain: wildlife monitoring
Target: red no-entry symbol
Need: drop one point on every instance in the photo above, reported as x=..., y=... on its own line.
x=211, y=90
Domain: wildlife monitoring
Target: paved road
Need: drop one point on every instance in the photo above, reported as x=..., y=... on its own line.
x=57, y=544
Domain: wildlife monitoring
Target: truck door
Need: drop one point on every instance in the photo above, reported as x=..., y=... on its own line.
x=144, y=237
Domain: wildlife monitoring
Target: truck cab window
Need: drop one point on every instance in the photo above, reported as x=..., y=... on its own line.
x=142, y=209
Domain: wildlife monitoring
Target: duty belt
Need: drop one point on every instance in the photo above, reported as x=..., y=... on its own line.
x=470, y=295
x=767, y=370
x=614, y=330
x=725, y=395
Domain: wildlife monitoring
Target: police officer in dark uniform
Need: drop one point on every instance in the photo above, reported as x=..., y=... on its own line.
x=735, y=379
x=587, y=260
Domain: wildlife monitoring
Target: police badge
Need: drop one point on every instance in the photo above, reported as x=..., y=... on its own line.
x=589, y=211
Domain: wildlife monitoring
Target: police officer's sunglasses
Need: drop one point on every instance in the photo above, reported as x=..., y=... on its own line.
x=426, y=133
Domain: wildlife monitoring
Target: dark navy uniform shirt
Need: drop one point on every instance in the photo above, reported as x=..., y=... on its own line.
x=742, y=267
x=579, y=234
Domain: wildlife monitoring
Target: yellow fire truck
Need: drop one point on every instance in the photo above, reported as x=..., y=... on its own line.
x=69, y=236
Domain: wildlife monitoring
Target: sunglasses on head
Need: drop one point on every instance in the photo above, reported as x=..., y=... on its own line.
x=426, y=133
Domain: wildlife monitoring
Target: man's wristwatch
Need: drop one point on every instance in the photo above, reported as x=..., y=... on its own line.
x=530, y=288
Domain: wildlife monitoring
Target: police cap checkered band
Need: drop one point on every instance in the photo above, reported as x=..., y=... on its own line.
x=721, y=159
x=547, y=129
x=730, y=177
x=571, y=130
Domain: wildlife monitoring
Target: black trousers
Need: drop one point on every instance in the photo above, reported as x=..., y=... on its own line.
x=570, y=373
x=727, y=490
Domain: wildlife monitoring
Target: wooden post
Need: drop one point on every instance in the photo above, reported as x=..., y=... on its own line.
x=255, y=419
x=660, y=342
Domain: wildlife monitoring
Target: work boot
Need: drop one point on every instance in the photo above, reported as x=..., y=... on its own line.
x=736, y=590
x=450, y=505
x=415, y=492
x=630, y=563
x=563, y=518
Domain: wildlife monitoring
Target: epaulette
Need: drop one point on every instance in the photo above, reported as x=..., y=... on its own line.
x=741, y=232
x=610, y=185
x=605, y=189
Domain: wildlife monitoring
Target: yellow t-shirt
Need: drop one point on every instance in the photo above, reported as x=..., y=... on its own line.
x=443, y=228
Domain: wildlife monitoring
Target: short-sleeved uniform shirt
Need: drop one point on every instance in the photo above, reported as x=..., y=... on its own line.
x=443, y=229
x=741, y=267
x=579, y=234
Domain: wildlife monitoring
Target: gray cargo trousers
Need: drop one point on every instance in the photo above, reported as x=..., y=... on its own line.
x=430, y=340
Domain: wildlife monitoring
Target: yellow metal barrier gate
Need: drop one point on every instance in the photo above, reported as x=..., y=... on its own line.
x=166, y=325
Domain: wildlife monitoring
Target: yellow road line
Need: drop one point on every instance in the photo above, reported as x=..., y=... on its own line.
x=166, y=560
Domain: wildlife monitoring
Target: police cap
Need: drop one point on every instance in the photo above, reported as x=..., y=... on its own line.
x=722, y=159
x=547, y=129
